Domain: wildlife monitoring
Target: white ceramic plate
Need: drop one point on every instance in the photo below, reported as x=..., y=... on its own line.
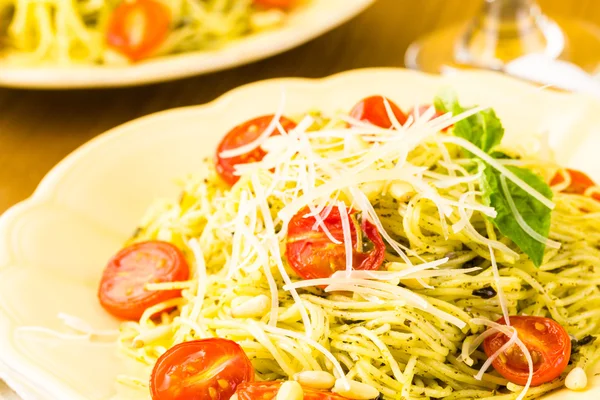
x=304, y=24
x=54, y=246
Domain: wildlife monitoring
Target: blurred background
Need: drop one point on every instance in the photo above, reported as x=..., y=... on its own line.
x=39, y=128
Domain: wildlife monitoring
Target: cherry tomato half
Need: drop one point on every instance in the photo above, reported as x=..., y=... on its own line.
x=137, y=28
x=372, y=109
x=268, y=391
x=418, y=112
x=580, y=182
x=547, y=341
x=243, y=134
x=122, y=289
x=313, y=255
x=200, y=370
x=283, y=4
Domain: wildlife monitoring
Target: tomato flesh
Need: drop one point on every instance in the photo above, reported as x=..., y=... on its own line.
x=547, y=341
x=137, y=28
x=243, y=134
x=268, y=391
x=283, y=4
x=122, y=289
x=311, y=253
x=580, y=183
x=372, y=109
x=199, y=370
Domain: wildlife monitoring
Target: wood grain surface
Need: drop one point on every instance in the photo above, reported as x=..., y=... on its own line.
x=39, y=128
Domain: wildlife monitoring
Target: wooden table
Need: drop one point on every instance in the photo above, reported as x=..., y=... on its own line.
x=39, y=128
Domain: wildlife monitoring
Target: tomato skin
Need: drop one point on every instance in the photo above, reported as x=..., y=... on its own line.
x=124, y=25
x=122, y=287
x=312, y=255
x=549, y=345
x=283, y=4
x=241, y=135
x=178, y=373
x=372, y=109
x=580, y=182
x=268, y=391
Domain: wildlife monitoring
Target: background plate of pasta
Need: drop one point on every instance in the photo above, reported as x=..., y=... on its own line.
x=109, y=43
x=378, y=234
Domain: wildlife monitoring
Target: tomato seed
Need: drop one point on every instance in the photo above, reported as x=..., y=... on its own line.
x=223, y=383
x=503, y=358
x=540, y=327
x=190, y=370
x=212, y=392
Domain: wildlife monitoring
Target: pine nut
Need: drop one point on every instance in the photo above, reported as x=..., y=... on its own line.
x=290, y=390
x=357, y=390
x=234, y=397
x=576, y=379
x=315, y=379
x=254, y=307
x=151, y=335
x=402, y=191
x=372, y=189
x=237, y=301
x=292, y=314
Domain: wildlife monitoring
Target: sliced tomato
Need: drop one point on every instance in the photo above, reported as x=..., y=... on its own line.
x=243, y=134
x=547, y=341
x=372, y=109
x=418, y=112
x=580, y=182
x=122, y=289
x=268, y=391
x=207, y=369
x=137, y=28
x=312, y=254
x=283, y=4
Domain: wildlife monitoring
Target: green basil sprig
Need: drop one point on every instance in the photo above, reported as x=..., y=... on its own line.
x=485, y=131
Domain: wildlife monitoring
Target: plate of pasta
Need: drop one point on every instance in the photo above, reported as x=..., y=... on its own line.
x=378, y=234
x=110, y=43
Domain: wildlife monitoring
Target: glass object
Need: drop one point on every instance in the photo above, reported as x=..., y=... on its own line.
x=503, y=31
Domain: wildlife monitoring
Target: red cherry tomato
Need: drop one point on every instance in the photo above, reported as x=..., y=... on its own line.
x=122, y=289
x=137, y=28
x=580, y=182
x=418, y=112
x=243, y=134
x=312, y=255
x=268, y=391
x=200, y=370
x=547, y=341
x=372, y=109
x=283, y=4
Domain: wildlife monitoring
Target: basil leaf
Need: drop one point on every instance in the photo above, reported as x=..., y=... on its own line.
x=534, y=213
x=499, y=155
x=483, y=129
